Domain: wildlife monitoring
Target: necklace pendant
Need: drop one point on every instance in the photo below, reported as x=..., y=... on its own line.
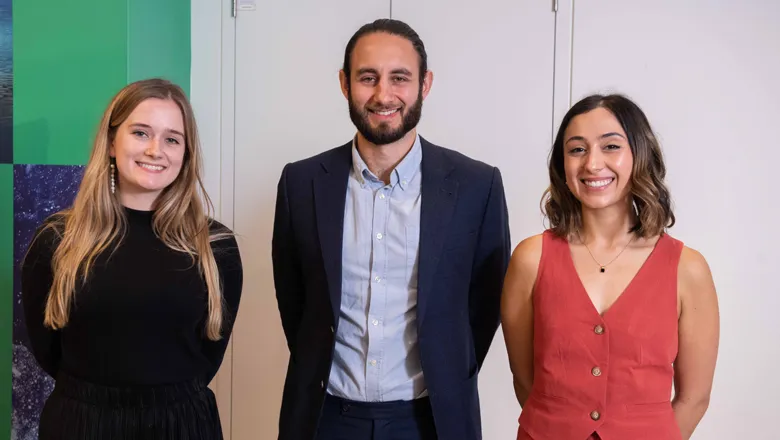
x=603, y=269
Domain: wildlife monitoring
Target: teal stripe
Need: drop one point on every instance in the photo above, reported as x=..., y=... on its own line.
x=158, y=41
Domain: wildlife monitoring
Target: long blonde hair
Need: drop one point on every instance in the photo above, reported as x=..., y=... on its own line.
x=97, y=220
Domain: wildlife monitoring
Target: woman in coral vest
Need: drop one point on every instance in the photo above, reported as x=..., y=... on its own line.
x=604, y=311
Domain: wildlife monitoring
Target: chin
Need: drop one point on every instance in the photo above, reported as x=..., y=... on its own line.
x=153, y=186
x=602, y=204
x=599, y=202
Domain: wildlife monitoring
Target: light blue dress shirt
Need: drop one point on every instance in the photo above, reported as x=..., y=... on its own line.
x=376, y=356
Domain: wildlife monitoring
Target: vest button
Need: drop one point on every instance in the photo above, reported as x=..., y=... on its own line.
x=599, y=329
x=595, y=415
x=596, y=371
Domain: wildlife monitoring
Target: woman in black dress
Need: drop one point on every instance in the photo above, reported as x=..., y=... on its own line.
x=131, y=294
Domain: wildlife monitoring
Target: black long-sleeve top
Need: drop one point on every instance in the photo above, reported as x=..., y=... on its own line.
x=140, y=318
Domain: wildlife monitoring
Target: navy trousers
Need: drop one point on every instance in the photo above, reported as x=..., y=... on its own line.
x=399, y=420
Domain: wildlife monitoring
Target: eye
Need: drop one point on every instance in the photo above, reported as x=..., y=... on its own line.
x=139, y=133
x=173, y=141
x=400, y=79
x=612, y=147
x=367, y=79
x=576, y=150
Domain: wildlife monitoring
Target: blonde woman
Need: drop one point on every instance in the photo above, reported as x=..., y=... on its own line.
x=131, y=294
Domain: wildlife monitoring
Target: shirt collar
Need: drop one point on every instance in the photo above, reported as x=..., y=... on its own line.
x=401, y=175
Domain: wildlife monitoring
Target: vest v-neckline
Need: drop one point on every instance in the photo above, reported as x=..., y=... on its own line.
x=627, y=289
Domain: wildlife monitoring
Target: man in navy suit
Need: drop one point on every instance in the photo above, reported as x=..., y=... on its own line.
x=389, y=256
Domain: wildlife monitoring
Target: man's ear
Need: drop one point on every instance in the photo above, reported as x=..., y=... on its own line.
x=427, y=83
x=344, y=81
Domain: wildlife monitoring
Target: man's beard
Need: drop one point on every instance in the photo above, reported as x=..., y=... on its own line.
x=384, y=134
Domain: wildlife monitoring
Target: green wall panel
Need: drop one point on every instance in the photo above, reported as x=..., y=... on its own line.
x=158, y=42
x=70, y=57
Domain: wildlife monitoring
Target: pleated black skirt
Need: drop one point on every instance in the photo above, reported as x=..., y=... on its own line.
x=78, y=410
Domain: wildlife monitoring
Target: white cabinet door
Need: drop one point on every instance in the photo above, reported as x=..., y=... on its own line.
x=492, y=99
x=706, y=74
x=288, y=105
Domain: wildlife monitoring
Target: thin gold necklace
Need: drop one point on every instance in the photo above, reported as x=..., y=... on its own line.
x=603, y=267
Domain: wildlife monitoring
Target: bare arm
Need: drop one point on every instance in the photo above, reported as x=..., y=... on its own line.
x=699, y=334
x=517, y=313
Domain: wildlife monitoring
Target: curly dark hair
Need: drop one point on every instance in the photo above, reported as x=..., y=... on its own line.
x=649, y=193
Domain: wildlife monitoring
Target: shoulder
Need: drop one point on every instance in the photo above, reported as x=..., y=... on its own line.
x=460, y=161
x=217, y=228
x=693, y=267
x=694, y=277
x=528, y=254
x=51, y=230
x=523, y=269
x=46, y=239
x=222, y=238
x=304, y=167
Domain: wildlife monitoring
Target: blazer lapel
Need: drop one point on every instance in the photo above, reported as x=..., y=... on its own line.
x=330, y=192
x=439, y=194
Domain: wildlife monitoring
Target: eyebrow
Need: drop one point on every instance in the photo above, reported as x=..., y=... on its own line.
x=138, y=124
x=603, y=136
x=398, y=71
x=401, y=71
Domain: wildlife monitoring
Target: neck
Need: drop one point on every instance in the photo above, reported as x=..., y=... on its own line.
x=381, y=160
x=139, y=201
x=607, y=227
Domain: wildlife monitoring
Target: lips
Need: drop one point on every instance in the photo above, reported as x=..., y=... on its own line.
x=385, y=113
x=151, y=167
x=597, y=183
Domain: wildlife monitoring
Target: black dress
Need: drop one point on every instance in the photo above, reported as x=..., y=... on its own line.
x=133, y=361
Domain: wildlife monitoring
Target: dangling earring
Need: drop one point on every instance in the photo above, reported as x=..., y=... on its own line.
x=113, y=179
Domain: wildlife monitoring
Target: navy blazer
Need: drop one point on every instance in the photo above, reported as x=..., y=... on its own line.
x=464, y=253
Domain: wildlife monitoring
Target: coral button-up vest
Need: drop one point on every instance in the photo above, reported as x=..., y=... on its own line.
x=610, y=375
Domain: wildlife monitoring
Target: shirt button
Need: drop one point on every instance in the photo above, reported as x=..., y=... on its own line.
x=379, y=236
x=381, y=196
x=375, y=322
x=599, y=329
x=377, y=279
x=373, y=362
x=596, y=371
x=595, y=415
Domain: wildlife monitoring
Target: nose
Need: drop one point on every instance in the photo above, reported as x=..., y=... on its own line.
x=383, y=92
x=154, y=149
x=595, y=161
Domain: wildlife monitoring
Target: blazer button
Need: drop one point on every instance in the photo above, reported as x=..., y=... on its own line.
x=599, y=329
x=595, y=415
x=322, y=384
x=596, y=371
x=331, y=329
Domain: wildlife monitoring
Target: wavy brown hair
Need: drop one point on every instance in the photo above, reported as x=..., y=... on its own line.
x=96, y=222
x=649, y=194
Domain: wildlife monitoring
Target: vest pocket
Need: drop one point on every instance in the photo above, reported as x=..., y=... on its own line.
x=647, y=408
